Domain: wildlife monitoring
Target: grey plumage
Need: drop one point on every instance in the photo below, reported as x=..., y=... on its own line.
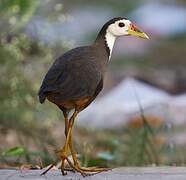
x=75, y=74
x=79, y=72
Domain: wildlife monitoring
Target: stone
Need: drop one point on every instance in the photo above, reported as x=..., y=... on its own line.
x=122, y=103
x=118, y=106
x=123, y=173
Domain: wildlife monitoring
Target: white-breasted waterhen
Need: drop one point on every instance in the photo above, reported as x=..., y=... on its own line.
x=76, y=78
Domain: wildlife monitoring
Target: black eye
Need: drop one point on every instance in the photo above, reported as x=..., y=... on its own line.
x=121, y=24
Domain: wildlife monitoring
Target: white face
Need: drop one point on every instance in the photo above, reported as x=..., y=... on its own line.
x=119, y=28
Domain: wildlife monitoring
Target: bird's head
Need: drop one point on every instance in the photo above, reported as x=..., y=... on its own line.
x=124, y=27
x=115, y=28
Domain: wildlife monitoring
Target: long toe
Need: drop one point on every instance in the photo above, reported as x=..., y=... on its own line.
x=94, y=169
x=89, y=171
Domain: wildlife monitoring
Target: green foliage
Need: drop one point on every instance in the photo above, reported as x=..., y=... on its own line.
x=23, y=62
x=140, y=149
x=16, y=13
x=15, y=151
x=135, y=145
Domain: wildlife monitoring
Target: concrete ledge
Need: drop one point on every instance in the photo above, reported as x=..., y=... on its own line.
x=123, y=173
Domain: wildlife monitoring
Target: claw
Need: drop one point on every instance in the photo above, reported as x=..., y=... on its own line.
x=63, y=173
x=48, y=169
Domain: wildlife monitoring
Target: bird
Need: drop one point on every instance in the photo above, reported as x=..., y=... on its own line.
x=76, y=78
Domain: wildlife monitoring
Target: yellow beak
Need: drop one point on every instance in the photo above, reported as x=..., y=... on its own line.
x=134, y=31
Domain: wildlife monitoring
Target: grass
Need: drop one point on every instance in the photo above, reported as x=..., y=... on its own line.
x=136, y=144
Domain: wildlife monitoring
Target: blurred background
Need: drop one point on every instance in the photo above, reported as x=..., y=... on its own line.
x=145, y=80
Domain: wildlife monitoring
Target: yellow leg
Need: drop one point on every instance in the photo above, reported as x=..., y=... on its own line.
x=84, y=170
x=68, y=144
x=70, y=140
x=63, y=153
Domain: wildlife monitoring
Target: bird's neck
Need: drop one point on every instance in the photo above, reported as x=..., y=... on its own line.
x=106, y=40
x=110, y=40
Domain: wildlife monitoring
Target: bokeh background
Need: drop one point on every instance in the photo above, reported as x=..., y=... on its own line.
x=146, y=80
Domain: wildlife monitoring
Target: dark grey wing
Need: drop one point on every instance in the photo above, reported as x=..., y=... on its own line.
x=49, y=81
x=73, y=75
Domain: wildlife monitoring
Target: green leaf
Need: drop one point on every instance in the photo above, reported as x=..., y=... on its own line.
x=105, y=156
x=15, y=151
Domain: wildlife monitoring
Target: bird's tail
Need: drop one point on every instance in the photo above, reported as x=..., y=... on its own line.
x=42, y=97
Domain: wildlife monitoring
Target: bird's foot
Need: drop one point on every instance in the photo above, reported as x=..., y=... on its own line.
x=75, y=167
x=94, y=169
x=89, y=171
x=63, y=156
x=53, y=167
